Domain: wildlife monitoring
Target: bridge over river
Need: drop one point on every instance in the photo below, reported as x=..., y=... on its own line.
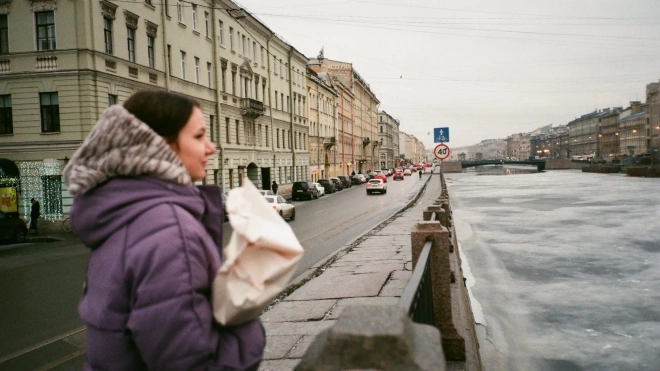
x=540, y=164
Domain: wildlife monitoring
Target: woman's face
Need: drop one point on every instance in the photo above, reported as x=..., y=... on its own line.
x=192, y=147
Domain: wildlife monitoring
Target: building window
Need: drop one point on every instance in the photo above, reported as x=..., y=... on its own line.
x=147, y=2
x=196, y=70
x=254, y=51
x=6, y=121
x=107, y=34
x=209, y=75
x=45, y=30
x=244, y=47
x=266, y=135
x=194, y=16
x=112, y=99
x=263, y=61
x=130, y=40
x=278, y=138
x=50, y=112
x=206, y=24
x=179, y=11
x=212, y=129
x=233, y=82
x=150, y=51
x=231, y=38
x=167, y=7
x=183, y=65
x=221, y=33
x=227, y=130
x=282, y=101
x=223, y=71
x=275, y=99
x=238, y=131
x=169, y=58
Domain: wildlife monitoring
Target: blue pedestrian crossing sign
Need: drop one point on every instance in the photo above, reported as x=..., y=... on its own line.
x=440, y=135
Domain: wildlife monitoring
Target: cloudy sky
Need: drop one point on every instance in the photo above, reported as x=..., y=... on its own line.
x=484, y=68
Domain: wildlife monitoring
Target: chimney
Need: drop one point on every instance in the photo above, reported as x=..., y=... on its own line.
x=635, y=107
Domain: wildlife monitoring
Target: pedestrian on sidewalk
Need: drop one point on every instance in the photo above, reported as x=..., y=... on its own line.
x=155, y=241
x=35, y=213
x=274, y=187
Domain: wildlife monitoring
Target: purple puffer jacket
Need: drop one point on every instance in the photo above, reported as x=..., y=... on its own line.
x=148, y=288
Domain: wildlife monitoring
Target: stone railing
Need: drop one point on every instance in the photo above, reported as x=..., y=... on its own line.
x=432, y=324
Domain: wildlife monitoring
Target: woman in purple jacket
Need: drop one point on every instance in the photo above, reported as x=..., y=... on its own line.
x=154, y=240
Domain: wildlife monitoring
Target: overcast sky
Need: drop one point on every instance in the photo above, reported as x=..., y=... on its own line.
x=485, y=68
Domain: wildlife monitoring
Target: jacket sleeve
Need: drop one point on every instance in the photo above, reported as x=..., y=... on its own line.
x=169, y=273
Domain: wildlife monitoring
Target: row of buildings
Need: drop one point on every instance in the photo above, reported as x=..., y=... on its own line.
x=605, y=134
x=272, y=112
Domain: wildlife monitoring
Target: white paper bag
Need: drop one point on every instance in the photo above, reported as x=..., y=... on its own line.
x=262, y=254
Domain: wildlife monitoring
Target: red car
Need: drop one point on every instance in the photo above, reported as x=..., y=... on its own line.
x=380, y=176
x=398, y=175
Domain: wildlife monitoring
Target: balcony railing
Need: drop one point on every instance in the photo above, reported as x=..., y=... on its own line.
x=5, y=65
x=329, y=142
x=47, y=63
x=252, y=107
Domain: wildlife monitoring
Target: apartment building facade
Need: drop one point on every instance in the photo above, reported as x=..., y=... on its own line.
x=388, y=137
x=63, y=63
x=323, y=128
x=364, y=115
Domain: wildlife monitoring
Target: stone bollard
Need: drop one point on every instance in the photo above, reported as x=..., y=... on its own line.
x=452, y=342
x=375, y=337
x=428, y=213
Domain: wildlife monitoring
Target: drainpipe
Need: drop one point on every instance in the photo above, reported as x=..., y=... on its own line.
x=318, y=131
x=291, y=133
x=270, y=106
x=163, y=21
x=219, y=148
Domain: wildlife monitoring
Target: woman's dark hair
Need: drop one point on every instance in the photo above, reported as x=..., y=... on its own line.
x=166, y=113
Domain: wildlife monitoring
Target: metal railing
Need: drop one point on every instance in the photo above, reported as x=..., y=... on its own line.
x=417, y=296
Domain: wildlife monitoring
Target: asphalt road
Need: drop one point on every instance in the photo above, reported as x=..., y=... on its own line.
x=41, y=283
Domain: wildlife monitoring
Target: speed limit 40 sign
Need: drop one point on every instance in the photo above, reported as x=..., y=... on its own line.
x=441, y=151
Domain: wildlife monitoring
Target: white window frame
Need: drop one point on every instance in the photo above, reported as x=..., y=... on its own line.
x=196, y=70
x=183, y=65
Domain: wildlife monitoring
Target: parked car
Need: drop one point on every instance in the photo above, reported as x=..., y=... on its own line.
x=12, y=228
x=328, y=184
x=266, y=192
x=304, y=191
x=357, y=179
x=319, y=188
x=398, y=176
x=381, y=176
x=345, y=181
x=282, y=206
x=338, y=185
x=376, y=185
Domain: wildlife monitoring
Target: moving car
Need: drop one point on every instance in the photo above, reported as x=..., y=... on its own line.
x=407, y=172
x=304, y=191
x=12, y=228
x=319, y=188
x=381, y=176
x=328, y=184
x=398, y=175
x=282, y=206
x=345, y=181
x=266, y=192
x=376, y=185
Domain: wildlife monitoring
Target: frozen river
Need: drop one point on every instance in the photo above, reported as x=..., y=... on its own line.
x=566, y=268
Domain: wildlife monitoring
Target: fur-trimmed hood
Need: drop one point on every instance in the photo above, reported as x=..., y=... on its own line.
x=120, y=145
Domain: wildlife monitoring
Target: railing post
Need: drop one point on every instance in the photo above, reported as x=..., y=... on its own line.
x=375, y=337
x=452, y=342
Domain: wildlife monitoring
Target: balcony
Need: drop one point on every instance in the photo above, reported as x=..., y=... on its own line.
x=252, y=108
x=48, y=63
x=329, y=142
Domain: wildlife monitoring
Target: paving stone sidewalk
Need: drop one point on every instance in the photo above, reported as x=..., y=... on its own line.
x=374, y=269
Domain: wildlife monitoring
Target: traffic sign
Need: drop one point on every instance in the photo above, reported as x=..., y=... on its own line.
x=441, y=151
x=440, y=135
